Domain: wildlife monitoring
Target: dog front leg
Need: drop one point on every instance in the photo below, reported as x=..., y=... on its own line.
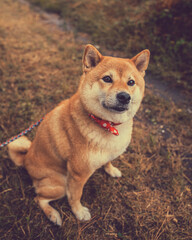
x=112, y=171
x=75, y=184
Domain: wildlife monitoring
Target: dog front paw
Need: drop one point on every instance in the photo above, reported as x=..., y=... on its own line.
x=55, y=218
x=113, y=171
x=83, y=214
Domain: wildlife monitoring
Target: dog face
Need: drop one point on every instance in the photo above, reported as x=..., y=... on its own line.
x=112, y=88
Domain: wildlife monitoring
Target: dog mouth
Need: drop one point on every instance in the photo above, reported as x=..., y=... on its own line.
x=117, y=108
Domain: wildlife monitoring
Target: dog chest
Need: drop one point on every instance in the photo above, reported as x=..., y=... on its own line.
x=108, y=149
x=99, y=158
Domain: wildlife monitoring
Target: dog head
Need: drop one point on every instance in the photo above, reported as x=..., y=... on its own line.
x=112, y=88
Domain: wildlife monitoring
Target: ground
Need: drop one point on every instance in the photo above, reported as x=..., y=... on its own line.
x=40, y=66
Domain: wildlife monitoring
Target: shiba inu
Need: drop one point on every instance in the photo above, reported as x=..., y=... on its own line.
x=85, y=132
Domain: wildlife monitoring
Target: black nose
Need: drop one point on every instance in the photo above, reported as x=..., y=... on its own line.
x=123, y=97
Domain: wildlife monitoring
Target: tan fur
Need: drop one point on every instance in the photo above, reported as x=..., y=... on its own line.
x=69, y=146
x=18, y=150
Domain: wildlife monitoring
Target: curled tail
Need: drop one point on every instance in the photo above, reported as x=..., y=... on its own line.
x=18, y=149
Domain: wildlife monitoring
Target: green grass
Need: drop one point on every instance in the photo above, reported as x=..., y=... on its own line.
x=131, y=26
x=153, y=198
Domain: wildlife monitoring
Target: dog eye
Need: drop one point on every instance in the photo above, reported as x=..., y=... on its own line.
x=131, y=82
x=107, y=79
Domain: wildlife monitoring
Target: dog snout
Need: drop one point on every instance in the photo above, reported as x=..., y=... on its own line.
x=123, y=97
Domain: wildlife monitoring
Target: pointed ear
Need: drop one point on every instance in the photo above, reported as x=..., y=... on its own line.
x=91, y=57
x=141, y=61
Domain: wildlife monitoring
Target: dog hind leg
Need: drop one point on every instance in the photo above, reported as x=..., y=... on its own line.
x=49, y=190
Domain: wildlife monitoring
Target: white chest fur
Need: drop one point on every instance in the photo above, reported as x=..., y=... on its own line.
x=109, y=147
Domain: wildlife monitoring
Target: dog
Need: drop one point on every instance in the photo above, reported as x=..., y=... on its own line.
x=84, y=132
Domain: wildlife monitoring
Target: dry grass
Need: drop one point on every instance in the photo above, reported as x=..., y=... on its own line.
x=163, y=26
x=169, y=3
x=39, y=67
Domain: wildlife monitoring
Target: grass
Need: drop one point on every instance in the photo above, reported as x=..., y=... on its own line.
x=162, y=25
x=39, y=67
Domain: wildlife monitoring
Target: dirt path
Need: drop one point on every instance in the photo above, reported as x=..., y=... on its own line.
x=40, y=66
x=159, y=88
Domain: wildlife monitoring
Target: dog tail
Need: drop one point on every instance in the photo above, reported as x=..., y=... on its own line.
x=18, y=149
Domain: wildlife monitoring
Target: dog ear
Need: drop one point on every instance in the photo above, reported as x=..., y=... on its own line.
x=91, y=57
x=141, y=61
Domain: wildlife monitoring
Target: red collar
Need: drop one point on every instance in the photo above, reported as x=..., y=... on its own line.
x=106, y=124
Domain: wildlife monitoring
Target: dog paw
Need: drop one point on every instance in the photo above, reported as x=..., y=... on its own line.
x=113, y=171
x=83, y=214
x=55, y=218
